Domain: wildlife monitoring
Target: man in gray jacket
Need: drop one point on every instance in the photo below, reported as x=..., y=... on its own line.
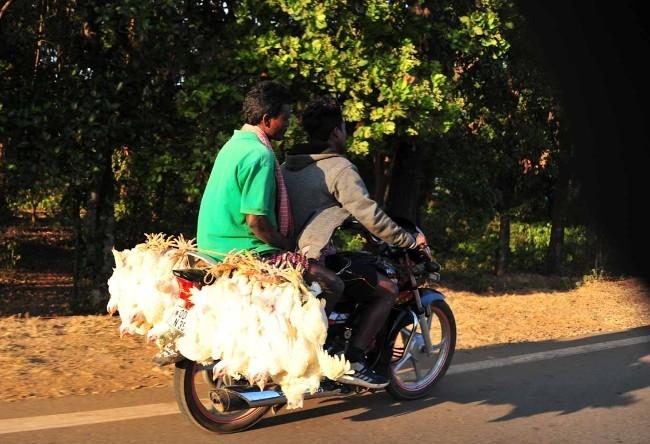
x=325, y=189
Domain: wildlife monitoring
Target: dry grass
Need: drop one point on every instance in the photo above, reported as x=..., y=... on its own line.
x=53, y=357
x=600, y=306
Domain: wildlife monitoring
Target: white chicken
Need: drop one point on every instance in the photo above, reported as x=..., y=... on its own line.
x=258, y=322
x=142, y=287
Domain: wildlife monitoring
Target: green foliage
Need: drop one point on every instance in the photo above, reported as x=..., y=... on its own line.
x=528, y=247
x=595, y=275
x=481, y=32
x=38, y=199
x=474, y=254
x=580, y=247
x=365, y=54
x=9, y=256
x=124, y=105
x=348, y=241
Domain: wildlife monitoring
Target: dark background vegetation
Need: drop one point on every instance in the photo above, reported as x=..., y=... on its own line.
x=514, y=133
x=595, y=53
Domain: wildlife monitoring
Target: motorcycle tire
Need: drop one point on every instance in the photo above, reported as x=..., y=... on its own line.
x=199, y=412
x=441, y=320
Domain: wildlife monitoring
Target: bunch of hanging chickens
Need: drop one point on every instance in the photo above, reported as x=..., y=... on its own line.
x=256, y=321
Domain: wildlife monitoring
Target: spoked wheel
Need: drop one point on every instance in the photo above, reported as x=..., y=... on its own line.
x=413, y=371
x=193, y=385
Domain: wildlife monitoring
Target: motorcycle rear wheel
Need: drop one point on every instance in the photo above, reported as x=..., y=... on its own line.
x=425, y=371
x=192, y=385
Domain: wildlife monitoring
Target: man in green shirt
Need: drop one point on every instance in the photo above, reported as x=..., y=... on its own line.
x=245, y=205
x=238, y=207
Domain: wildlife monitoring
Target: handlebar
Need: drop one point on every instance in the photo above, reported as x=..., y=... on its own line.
x=422, y=252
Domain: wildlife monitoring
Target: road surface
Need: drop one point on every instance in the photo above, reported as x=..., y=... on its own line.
x=587, y=390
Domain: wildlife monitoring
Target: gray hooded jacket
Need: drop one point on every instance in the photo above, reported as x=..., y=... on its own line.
x=324, y=190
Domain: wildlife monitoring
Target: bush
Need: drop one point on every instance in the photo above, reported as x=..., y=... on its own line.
x=473, y=255
x=9, y=256
x=37, y=202
x=528, y=248
x=595, y=275
x=580, y=248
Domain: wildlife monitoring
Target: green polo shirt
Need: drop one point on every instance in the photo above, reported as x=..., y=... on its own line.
x=242, y=182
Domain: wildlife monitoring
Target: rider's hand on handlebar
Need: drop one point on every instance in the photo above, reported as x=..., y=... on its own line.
x=421, y=244
x=420, y=241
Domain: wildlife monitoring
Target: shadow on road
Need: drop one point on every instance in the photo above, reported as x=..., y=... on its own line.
x=603, y=379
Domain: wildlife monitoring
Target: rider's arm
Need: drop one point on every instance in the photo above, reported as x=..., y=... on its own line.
x=351, y=192
x=264, y=231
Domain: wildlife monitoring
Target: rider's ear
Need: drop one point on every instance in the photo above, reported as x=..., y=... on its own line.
x=266, y=120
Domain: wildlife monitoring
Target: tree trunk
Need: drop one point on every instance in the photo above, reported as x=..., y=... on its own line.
x=505, y=196
x=555, y=252
x=599, y=259
x=34, y=204
x=503, y=251
x=99, y=238
x=4, y=209
x=79, y=252
x=39, y=36
x=380, y=162
x=560, y=203
x=403, y=195
x=158, y=216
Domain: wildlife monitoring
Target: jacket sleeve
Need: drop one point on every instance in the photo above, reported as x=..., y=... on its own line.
x=351, y=192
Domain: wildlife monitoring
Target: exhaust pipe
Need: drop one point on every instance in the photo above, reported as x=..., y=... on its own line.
x=239, y=398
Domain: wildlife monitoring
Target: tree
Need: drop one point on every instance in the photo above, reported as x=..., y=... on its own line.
x=508, y=101
x=85, y=83
x=128, y=103
x=372, y=56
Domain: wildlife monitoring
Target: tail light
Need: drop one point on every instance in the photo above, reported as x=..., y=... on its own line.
x=185, y=287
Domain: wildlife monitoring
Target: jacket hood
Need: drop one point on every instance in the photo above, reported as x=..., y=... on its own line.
x=305, y=154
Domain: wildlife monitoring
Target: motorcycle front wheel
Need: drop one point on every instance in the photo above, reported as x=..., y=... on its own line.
x=192, y=386
x=413, y=371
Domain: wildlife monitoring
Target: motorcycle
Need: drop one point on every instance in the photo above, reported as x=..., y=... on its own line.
x=413, y=349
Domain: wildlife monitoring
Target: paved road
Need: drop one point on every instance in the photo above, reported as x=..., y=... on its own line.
x=590, y=390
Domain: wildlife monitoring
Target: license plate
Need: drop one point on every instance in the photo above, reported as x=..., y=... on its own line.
x=178, y=318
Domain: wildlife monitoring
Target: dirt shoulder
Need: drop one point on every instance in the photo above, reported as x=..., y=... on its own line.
x=593, y=308
x=44, y=357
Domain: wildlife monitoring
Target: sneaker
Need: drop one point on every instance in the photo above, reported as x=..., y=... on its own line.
x=364, y=377
x=166, y=356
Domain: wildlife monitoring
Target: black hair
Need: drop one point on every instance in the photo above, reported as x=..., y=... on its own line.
x=319, y=118
x=267, y=97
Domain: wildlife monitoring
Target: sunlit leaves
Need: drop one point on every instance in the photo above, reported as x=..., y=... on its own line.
x=481, y=31
x=358, y=52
